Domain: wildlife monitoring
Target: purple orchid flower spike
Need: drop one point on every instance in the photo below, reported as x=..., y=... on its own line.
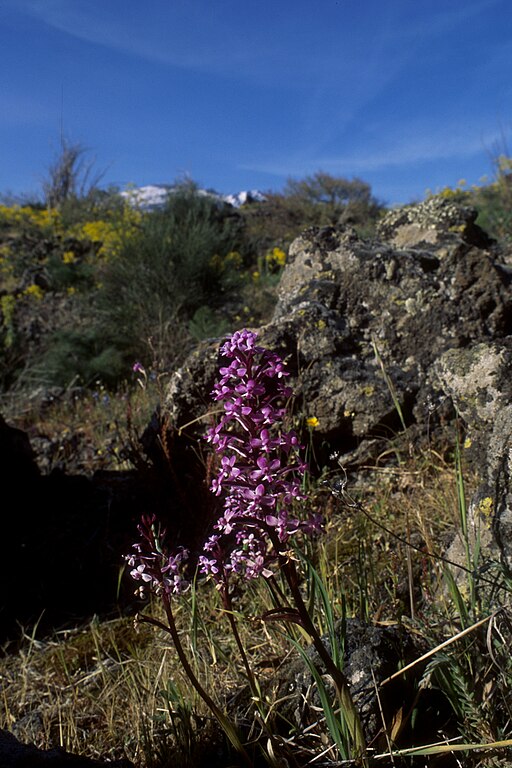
x=260, y=469
x=157, y=571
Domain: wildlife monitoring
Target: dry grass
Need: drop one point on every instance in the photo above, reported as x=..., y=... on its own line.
x=100, y=690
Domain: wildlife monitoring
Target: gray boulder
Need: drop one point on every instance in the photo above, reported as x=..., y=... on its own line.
x=391, y=331
x=479, y=382
x=361, y=323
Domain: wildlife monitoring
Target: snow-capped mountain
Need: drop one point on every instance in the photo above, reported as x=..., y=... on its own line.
x=153, y=196
x=149, y=197
x=247, y=196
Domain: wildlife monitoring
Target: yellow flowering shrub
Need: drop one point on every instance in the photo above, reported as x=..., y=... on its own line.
x=102, y=232
x=110, y=234
x=232, y=260
x=34, y=291
x=12, y=215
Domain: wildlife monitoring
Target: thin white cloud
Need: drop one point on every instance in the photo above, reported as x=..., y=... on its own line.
x=223, y=39
x=198, y=38
x=394, y=150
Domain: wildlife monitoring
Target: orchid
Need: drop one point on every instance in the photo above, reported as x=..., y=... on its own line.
x=260, y=465
x=259, y=483
x=157, y=571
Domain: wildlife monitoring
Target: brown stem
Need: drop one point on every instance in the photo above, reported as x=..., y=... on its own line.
x=226, y=599
x=222, y=719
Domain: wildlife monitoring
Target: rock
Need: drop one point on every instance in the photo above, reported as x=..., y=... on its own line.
x=17, y=459
x=479, y=381
x=377, y=334
x=14, y=754
x=361, y=323
x=372, y=653
x=65, y=534
x=64, y=537
x=436, y=221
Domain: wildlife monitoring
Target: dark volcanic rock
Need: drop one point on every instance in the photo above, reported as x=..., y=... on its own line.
x=64, y=536
x=14, y=754
x=372, y=653
x=361, y=323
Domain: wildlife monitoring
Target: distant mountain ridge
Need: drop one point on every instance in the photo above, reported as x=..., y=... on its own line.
x=153, y=196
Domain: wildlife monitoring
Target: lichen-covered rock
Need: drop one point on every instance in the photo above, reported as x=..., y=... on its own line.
x=355, y=308
x=436, y=221
x=479, y=381
x=361, y=323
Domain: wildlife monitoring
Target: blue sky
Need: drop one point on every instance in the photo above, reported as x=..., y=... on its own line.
x=405, y=94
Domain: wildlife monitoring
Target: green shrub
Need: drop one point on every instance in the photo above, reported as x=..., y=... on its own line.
x=494, y=202
x=318, y=200
x=83, y=356
x=164, y=284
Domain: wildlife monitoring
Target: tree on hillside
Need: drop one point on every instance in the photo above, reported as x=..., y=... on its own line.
x=334, y=191
x=317, y=200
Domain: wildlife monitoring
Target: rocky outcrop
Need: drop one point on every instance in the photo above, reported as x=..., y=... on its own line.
x=478, y=380
x=372, y=654
x=362, y=323
x=391, y=333
x=64, y=536
x=438, y=221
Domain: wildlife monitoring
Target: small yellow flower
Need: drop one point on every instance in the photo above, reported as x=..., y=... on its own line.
x=276, y=258
x=485, y=506
x=312, y=422
x=256, y=276
x=467, y=442
x=34, y=291
x=68, y=257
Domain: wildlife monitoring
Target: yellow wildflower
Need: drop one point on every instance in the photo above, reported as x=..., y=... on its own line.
x=312, y=422
x=35, y=291
x=276, y=258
